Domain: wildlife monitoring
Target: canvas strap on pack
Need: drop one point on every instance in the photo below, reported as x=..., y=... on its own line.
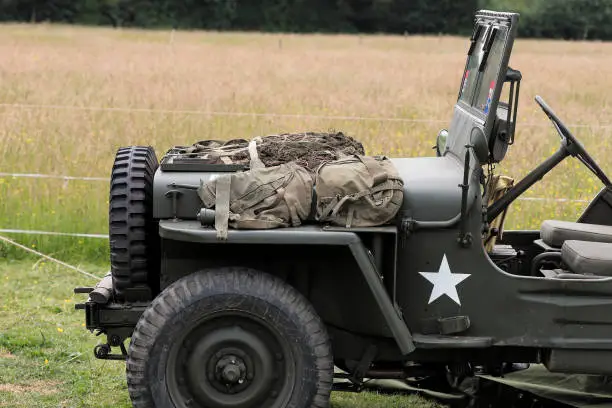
x=240, y=219
x=256, y=163
x=336, y=205
x=292, y=204
x=222, y=205
x=243, y=221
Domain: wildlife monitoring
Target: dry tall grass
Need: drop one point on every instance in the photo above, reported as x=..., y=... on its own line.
x=370, y=76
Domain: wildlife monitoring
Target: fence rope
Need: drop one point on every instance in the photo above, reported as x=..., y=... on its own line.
x=53, y=233
x=57, y=261
x=37, y=175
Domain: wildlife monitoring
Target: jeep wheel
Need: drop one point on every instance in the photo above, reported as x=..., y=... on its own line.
x=132, y=233
x=230, y=338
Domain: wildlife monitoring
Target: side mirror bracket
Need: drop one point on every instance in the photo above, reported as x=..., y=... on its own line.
x=465, y=237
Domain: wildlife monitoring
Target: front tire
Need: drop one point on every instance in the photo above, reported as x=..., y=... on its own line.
x=230, y=338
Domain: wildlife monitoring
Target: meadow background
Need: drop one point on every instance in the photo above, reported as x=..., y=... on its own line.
x=71, y=96
x=160, y=84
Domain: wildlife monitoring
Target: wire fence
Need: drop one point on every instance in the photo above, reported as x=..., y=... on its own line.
x=206, y=113
x=105, y=236
x=220, y=113
x=230, y=114
x=268, y=114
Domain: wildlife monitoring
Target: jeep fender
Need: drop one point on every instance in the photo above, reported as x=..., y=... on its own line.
x=192, y=231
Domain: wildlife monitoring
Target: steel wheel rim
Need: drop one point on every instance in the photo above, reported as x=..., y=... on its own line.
x=232, y=359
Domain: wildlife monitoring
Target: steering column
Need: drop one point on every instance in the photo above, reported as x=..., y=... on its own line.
x=570, y=146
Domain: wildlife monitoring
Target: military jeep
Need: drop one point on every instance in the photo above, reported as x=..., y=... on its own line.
x=271, y=317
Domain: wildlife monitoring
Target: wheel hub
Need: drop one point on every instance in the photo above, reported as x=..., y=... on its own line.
x=231, y=370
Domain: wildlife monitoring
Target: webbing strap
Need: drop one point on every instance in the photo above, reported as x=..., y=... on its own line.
x=329, y=207
x=261, y=193
x=222, y=205
x=336, y=205
x=349, y=217
x=256, y=163
x=258, y=223
x=220, y=152
x=352, y=197
x=248, y=221
x=292, y=203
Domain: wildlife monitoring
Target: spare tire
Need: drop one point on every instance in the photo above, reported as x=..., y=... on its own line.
x=134, y=242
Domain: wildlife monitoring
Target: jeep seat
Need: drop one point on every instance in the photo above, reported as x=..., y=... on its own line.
x=555, y=233
x=587, y=258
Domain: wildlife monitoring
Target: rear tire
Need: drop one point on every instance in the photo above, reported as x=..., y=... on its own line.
x=230, y=338
x=134, y=243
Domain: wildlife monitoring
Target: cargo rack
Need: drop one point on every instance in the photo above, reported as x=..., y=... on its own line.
x=176, y=160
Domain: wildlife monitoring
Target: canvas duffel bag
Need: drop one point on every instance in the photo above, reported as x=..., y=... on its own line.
x=358, y=191
x=262, y=198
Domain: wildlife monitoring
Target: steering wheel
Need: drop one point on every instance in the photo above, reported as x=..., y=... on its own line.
x=573, y=146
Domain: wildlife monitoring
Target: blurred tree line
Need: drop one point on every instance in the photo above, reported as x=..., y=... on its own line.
x=569, y=19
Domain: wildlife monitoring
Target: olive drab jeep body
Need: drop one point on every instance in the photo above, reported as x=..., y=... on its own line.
x=269, y=303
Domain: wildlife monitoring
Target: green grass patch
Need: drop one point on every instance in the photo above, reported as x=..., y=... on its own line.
x=46, y=355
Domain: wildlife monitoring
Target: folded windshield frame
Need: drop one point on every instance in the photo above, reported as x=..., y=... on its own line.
x=487, y=60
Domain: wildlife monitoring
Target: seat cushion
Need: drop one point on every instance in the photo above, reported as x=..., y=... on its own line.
x=554, y=232
x=588, y=258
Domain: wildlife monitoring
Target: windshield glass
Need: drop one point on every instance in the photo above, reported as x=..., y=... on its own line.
x=470, y=75
x=485, y=64
x=487, y=51
x=491, y=71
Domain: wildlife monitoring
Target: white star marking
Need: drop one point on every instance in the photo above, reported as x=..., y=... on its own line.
x=445, y=282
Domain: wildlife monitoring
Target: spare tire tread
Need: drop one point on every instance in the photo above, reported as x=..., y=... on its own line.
x=132, y=230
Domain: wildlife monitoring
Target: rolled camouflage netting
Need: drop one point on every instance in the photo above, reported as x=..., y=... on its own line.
x=306, y=149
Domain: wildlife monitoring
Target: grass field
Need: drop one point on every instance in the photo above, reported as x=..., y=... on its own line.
x=155, y=87
x=158, y=80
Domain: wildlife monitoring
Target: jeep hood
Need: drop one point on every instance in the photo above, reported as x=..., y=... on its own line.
x=431, y=187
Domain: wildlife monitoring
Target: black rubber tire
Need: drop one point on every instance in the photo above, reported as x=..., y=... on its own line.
x=196, y=299
x=134, y=242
